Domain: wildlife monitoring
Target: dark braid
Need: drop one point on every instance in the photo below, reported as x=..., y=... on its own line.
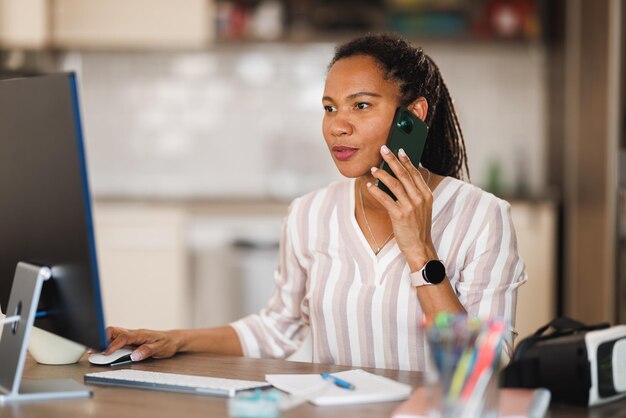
x=418, y=76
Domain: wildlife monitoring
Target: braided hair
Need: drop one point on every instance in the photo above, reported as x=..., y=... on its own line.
x=418, y=76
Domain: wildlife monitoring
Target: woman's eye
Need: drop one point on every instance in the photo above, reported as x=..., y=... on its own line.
x=329, y=109
x=362, y=105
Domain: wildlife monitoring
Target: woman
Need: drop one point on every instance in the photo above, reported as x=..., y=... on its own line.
x=352, y=259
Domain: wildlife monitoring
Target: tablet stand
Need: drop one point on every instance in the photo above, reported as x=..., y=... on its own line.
x=23, y=302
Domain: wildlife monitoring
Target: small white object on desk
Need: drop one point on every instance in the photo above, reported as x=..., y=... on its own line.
x=49, y=348
x=121, y=356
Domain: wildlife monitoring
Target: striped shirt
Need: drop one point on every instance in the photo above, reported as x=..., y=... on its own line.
x=359, y=306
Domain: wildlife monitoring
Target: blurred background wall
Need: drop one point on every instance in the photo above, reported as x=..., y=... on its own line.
x=203, y=121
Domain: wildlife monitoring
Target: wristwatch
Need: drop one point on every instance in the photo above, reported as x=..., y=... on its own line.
x=433, y=272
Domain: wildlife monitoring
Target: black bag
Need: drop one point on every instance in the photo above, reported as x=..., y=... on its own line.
x=557, y=361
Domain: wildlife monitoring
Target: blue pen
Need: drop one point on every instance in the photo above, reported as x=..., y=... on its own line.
x=339, y=382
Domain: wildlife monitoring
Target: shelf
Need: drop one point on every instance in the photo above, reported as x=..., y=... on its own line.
x=322, y=21
x=203, y=24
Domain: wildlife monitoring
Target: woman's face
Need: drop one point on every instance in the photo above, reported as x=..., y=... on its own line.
x=359, y=105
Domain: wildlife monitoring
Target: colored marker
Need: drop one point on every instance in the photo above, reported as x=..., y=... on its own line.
x=485, y=357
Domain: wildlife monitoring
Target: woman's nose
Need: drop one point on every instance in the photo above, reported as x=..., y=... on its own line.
x=341, y=126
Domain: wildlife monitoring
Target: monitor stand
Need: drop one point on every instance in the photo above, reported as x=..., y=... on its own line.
x=23, y=302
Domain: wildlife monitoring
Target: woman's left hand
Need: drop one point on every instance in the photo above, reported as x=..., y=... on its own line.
x=411, y=214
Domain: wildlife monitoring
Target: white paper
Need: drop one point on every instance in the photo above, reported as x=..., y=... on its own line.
x=369, y=388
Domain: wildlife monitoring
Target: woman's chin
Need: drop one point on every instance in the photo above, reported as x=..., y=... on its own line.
x=352, y=174
x=352, y=170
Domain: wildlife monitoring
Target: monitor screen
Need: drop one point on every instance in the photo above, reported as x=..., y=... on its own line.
x=45, y=214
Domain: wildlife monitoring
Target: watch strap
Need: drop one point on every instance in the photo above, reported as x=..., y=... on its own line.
x=417, y=278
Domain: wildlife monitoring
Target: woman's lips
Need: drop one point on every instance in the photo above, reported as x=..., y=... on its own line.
x=344, y=153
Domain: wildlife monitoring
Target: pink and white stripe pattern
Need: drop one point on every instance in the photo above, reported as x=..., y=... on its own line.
x=360, y=307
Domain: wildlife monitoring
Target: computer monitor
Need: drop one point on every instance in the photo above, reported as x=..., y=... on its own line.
x=45, y=220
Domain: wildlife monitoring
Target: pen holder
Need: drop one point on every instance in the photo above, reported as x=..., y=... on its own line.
x=466, y=355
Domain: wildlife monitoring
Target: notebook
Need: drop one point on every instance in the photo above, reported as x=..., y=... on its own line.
x=514, y=403
x=369, y=388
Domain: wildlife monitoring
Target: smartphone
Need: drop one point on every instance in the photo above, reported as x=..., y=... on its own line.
x=409, y=133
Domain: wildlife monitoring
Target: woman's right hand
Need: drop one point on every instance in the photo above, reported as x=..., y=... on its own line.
x=146, y=343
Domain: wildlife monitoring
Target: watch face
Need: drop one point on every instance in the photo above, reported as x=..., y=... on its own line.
x=434, y=272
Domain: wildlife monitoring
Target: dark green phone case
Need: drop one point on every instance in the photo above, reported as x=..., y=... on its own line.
x=409, y=133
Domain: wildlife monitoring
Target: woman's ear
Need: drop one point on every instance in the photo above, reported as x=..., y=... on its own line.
x=419, y=108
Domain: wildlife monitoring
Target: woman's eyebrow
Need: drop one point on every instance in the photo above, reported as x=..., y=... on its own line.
x=363, y=93
x=355, y=95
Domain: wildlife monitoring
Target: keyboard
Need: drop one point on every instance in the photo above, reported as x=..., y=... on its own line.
x=171, y=382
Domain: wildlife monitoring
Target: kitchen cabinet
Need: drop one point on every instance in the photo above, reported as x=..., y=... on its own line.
x=536, y=229
x=142, y=259
x=24, y=24
x=125, y=24
x=106, y=24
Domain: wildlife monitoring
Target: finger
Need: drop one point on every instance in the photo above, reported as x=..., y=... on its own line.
x=121, y=337
x=384, y=199
x=164, y=350
x=416, y=175
x=111, y=331
x=116, y=344
x=157, y=349
x=118, y=339
x=401, y=173
x=392, y=184
x=141, y=353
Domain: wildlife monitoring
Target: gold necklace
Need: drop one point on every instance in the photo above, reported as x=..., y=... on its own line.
x=378, y=247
